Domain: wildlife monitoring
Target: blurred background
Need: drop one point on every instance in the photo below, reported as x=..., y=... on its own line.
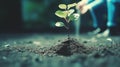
x=36, y=16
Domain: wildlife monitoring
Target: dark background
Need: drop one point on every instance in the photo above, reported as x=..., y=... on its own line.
x=35, y=16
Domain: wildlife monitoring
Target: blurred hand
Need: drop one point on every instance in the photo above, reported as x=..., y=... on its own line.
x=84, y=9
x=82, y=6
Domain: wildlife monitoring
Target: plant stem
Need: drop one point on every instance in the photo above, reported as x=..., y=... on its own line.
x=68, y=34
x=68, y=28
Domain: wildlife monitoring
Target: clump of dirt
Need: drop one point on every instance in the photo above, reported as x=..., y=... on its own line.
x=68, y=47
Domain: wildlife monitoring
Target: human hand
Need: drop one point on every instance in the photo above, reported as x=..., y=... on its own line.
x=84, y=9
x=82, y=6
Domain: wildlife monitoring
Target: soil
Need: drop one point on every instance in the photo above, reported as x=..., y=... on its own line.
x=43, y=50
x=69, y=47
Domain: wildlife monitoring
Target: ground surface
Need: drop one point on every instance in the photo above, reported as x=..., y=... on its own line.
x=39, y=50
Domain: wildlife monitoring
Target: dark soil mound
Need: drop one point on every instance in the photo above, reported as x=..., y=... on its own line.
x=68, y=47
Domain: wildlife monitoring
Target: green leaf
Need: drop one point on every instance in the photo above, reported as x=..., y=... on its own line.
x=61, y=14
x=71, y=11
x=71, y=5
x=62, y=6
x=59, y=24
x=74, y=16
x=71, y=17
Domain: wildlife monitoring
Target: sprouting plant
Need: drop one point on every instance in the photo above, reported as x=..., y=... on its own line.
x=66, y=12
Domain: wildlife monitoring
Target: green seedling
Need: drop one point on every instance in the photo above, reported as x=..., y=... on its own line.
x=66, y=12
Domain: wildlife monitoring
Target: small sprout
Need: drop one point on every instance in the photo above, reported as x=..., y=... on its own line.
x=68, y=14
x=59, y=24
x=62, y=6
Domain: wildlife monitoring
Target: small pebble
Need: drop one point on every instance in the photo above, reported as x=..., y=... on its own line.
x=4, y=57
x=85, y=42
x=30, y=42
x=36, y=42
x=37, y=60
x=109, y=39
x=7, y=45
x=59, y=40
